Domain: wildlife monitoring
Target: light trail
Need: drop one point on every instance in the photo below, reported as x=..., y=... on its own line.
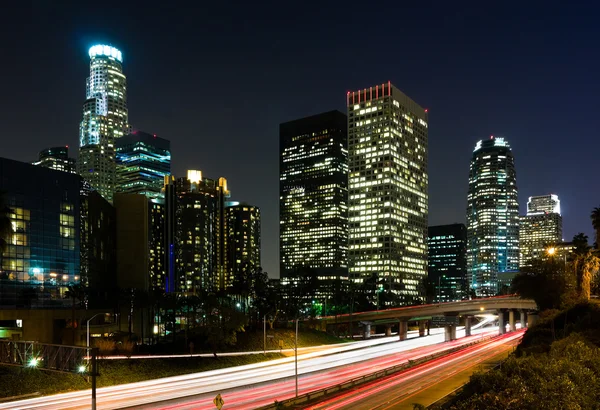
x=317, y=369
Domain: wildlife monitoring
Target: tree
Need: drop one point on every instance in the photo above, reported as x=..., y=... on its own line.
x=595, y=217
x=77, y=294
x=547, y=282
x=223, y=322
x=585, y=264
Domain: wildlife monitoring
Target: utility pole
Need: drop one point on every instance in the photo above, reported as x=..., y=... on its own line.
x=265, y=334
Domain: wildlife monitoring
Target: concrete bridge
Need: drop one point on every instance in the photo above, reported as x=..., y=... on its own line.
x=444, y=314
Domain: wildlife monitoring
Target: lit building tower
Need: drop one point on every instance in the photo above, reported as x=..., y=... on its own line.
x=104, y=119
x=540, y=228
x=492, y=216
x=447, y=256
x=200, y=244
x=243, y=238
x=313, y=194
x=56, y=158
x=388, y=182
x=143, y=162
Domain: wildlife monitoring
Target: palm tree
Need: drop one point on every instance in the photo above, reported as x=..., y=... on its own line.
x=595, y=216
x=585, y=263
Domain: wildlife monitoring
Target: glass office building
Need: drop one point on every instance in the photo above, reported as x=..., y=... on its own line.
x=243, y=231
x=492, y=215
x=42, y=257
x=540, y=228
x=388, y=190
x=313, y=195
x=56, y=158
x=199, y=241
x=105, y=119
x=447, y=268
x=143, y=161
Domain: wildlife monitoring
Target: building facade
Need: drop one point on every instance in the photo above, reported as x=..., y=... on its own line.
x=492, y=215
x=199, y=245
x=143, y=161
x=313, y=194
x=61, y=236
x=540, y=228
x=56, y=158
x=447, y=268
x=388, y=190
x=243, y=232
x=105, y=119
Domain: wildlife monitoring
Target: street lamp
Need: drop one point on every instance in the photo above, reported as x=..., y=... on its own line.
x=553, y=251
x=88, y=327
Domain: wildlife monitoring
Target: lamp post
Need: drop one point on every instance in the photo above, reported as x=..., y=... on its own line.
x=88, y=328
x=553, y=251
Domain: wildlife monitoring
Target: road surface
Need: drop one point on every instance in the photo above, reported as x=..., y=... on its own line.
x=423, y=384
x=249, y=386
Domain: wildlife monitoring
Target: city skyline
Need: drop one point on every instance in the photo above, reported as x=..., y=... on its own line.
x=496, y=97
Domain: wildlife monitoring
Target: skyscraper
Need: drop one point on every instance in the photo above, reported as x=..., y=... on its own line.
x=447, y=270
x=492, y=215
x=143, y=161
x=388, y=182
x=200, y=244
x=540, y=228
x=313, y=194
x=104, y=120
x=56, y=158
x=243, y=232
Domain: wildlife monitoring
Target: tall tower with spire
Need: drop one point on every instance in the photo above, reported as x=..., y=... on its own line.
x=104, y=120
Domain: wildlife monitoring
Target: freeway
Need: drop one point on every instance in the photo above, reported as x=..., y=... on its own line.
x=423, y=384
x=249, y=386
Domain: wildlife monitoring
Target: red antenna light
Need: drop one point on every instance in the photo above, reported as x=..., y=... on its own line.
x=426, y=110
x=491, y=137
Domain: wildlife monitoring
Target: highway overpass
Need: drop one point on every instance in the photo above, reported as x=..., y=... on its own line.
x=505, y=307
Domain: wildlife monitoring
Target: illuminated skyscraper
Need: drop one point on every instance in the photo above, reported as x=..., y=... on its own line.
x=200, y=245
x=492, y=215
x=243, y=232
x=540, y=228
x=313, y=194
x=56, y=158
x=104, y=119
x=143, y=161
x=388, y=182
x=447, y=268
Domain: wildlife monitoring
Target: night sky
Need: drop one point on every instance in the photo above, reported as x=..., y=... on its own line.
x=218, y=80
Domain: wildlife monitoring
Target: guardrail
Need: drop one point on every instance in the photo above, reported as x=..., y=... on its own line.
x=357, y=381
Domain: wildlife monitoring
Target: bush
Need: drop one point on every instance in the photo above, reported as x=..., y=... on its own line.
x=126, y=348
x=106, y=347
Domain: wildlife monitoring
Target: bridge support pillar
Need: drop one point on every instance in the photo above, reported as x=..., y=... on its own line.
x=402, y=329
x=467, y=325
x=449, y=333
x=531, y=319
x=366, y=330
x=511, y=321
x=501, y=323
x=421, y=328
x=523, y=321
x=388, y=330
